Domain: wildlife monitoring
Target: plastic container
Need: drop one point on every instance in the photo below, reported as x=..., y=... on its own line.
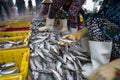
x=15, y=33
x=19, y=24
x=24, y=39
x=16, y=29
x=21, y=57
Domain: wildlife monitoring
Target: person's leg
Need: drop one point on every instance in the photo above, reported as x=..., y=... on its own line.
x=63, y=23
x=1, y=13
x=7, y=9
x=100, y=44
x=50, y=19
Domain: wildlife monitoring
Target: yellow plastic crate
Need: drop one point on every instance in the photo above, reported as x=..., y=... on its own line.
x=7, y=22
x=24, y=39
x=21, y=57
x=20, y=23
x=16, y=23
x=15, y=33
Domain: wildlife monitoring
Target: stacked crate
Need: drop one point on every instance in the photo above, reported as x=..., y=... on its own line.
x=14, y=31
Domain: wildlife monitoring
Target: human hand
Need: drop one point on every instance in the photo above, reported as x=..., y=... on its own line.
x=73, y=36
x=69, y=38
x=77, y=35
x=106, y=72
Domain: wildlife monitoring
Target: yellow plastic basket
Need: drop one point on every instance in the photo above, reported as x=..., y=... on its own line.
x=15, y=33
x=14, y=23
x=24, y=39
x=7, y=22
x=20, y=23
x=21, y=57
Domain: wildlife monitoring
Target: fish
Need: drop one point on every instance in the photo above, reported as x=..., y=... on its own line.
x=66, y=40
x=7, y=65
x=58, y=57
x=11, y=44
x=37, y=63
x=38, y=51
x=58, y=65
x=56, y=62
x=10, y=71
x=45, y=71
x=69, y=66
x=83, y=58
x=56, y=75
x=69, y=57
x=36, y=75
x=68, y=75
x=78, y=53
x=32, y=64
x=76, y=70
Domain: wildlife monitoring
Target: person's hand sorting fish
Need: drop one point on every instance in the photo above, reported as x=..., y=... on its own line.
x=74, y=36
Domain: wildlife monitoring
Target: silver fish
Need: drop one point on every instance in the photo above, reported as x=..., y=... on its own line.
x=35, y=75
x=7, y=65
x=10, y=71
x=38, y=51
x=7, y=45
x=58, y=57
x=83, y=58
x=45, y=71
x=77, y=70
x=58, y=65
x=69, y=57
x=54, y=48
x=78, y=53
x=32, y=64
x=42, y=76
x=38, y=64
x=66, y=40
x=47, y=45
x=68, y=75
x=69, y=66
x=56, y=75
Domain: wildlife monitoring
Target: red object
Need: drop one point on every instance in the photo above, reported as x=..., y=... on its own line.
x=2, y=26
x=80, y=25
x=112, y=58
x=17, y=29
x=118, y=74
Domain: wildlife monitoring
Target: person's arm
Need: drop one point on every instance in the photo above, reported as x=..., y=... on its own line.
x=107, y=71
x=74, y=36
x=77, y=35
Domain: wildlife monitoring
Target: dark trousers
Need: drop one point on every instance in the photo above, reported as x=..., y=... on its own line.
x=6, y=8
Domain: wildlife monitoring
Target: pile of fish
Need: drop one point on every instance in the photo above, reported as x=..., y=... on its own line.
x=10, y=44
x=8, y=68
x=50, y=61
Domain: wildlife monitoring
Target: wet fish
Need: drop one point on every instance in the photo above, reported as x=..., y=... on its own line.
x=32, y=64
x=83, y=58
x=45, y=71
x=58, y=62
x=68, y=75
x=10, y=71
x=38, y=51
x=69, y=66
x=58, y=57
x=7, y=65
x=56, y=75
x=37, y=63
